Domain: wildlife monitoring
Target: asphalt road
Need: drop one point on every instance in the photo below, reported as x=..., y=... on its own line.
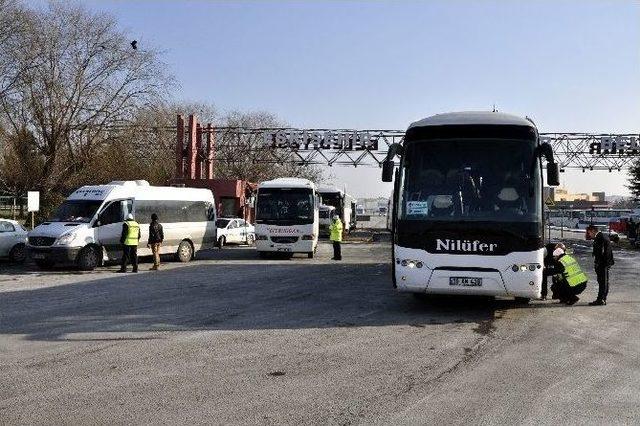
x=230, y=339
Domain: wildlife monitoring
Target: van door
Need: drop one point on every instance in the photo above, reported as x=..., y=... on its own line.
x=109, y=226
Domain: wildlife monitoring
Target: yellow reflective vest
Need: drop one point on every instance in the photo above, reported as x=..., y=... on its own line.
x=572, y=272
x=133, y=233
x=336, y=230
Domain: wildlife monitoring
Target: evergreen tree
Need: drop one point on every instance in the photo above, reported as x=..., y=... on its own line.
x=634, y=180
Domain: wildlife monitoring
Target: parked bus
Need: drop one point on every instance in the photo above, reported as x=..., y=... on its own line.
x=326, y=216
x=467, y=208
x=86, y=228
x=287, y=217
x=602, y=217
x=568, y=218
x=344, y=203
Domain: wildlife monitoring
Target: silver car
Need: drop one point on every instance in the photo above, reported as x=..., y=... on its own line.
x=13, y=239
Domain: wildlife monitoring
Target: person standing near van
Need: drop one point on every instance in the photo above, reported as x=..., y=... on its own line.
x=129, y=239
x=602, y=261
x=156, y=237
x=335, y=230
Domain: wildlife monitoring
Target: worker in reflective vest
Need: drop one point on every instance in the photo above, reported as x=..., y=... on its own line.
x=129, y=239
x=335, y=236
x=569, y=278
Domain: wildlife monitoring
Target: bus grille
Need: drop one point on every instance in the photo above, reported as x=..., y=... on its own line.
x=284, y=240
x=41, y=241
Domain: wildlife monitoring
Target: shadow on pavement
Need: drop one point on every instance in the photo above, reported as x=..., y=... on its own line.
x=229, y=297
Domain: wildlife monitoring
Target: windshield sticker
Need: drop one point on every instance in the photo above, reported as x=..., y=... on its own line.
x=417, y=207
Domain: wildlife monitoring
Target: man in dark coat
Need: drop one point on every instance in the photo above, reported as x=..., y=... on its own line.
x=602, y=261
x=156, y=237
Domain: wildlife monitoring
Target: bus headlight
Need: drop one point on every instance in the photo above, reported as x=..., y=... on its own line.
x=410, y=263
x=261, y=237
x=528, y=267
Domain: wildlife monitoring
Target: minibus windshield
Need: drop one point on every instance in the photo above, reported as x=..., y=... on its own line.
x=76, y=211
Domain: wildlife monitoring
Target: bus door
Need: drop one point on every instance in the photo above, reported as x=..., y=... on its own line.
x=109, y=226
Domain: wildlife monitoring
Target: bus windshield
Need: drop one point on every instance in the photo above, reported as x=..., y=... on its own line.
x=76, y=211
x=290, y=205
x=494, y=180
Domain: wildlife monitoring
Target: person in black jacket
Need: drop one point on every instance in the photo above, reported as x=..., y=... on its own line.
x=156, y=237
x=602, y=261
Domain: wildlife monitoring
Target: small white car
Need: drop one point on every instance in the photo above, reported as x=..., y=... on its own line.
x=13, y=240
x=233, y=230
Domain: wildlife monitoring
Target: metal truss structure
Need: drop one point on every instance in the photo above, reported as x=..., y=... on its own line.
x=586, y=151
x=196, y=147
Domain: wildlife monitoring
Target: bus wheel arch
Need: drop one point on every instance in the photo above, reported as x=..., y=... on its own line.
x=89, y=257
x=185, y=251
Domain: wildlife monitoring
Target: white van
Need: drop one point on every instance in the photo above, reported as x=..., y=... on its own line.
x=287, y=219
x=86, y=228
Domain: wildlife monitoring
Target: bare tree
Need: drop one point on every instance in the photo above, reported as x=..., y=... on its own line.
x=88, y=81
x=14, y=25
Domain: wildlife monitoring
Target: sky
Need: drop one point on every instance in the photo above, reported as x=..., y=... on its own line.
x=569, y=65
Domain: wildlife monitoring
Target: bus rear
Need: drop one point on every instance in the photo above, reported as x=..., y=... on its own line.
x=467, y=207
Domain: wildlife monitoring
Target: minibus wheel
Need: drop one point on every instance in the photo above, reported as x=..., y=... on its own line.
x=88, y=259
x=185, y=251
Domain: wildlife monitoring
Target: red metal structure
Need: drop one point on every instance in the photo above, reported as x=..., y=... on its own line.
x=194, y=168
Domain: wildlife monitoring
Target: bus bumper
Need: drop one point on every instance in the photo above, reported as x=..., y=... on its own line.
x=300, y=246
x=469, y=274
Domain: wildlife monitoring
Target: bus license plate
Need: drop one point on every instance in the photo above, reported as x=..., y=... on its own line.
x=38, y=256
x=287, y=249
x=465, y=281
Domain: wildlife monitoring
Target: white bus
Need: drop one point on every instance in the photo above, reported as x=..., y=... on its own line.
x=568, y=218
x=86, y=228
x=326, y=216
x=467, y=207
x=287, y=217
x=602, y=217
x=344, y=203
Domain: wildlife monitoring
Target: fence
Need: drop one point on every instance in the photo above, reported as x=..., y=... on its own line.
x=13, y=207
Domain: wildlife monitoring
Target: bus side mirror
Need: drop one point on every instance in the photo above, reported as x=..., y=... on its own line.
x=387, y=171
x=553, y=174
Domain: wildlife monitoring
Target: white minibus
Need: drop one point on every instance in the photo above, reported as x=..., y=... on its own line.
x=86, y=228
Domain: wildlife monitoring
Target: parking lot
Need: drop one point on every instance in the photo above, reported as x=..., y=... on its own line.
x=230, y=339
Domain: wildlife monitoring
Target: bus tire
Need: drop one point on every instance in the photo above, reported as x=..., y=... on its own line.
x=185, y=251
x=522, y=300
x=88, y=259
x=222, y=241
x=18, y=253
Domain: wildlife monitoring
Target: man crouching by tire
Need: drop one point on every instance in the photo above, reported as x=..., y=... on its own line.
x=129, y=239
